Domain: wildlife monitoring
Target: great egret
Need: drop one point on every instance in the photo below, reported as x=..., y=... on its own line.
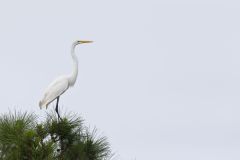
x=61, y=84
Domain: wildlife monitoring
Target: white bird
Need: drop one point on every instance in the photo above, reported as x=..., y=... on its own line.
x=61, y=84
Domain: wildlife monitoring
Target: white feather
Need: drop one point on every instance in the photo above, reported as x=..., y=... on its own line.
x=54, y=90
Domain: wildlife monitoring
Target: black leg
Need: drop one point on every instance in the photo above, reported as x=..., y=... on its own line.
x=56, y=109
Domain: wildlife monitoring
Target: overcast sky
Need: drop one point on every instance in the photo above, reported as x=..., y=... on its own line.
x=161, y=80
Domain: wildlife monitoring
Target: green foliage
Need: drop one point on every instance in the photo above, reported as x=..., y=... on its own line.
x=22, y=138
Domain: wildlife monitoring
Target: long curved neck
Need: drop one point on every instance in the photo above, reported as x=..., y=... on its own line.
x=74, y=74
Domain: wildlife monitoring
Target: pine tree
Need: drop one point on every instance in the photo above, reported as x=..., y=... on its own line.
x=23, y=138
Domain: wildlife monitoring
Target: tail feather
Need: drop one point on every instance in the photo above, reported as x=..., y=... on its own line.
x=42, y=104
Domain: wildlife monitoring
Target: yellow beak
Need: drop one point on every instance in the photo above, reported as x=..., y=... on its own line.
x=85, y=41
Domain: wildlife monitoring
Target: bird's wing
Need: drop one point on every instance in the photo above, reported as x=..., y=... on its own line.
x=55, y=89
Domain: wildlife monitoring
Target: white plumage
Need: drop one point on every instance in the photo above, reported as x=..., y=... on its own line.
x=54, y=90
x=61, y=84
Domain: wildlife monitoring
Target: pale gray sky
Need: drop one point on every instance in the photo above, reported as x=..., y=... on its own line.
x=161, y=81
